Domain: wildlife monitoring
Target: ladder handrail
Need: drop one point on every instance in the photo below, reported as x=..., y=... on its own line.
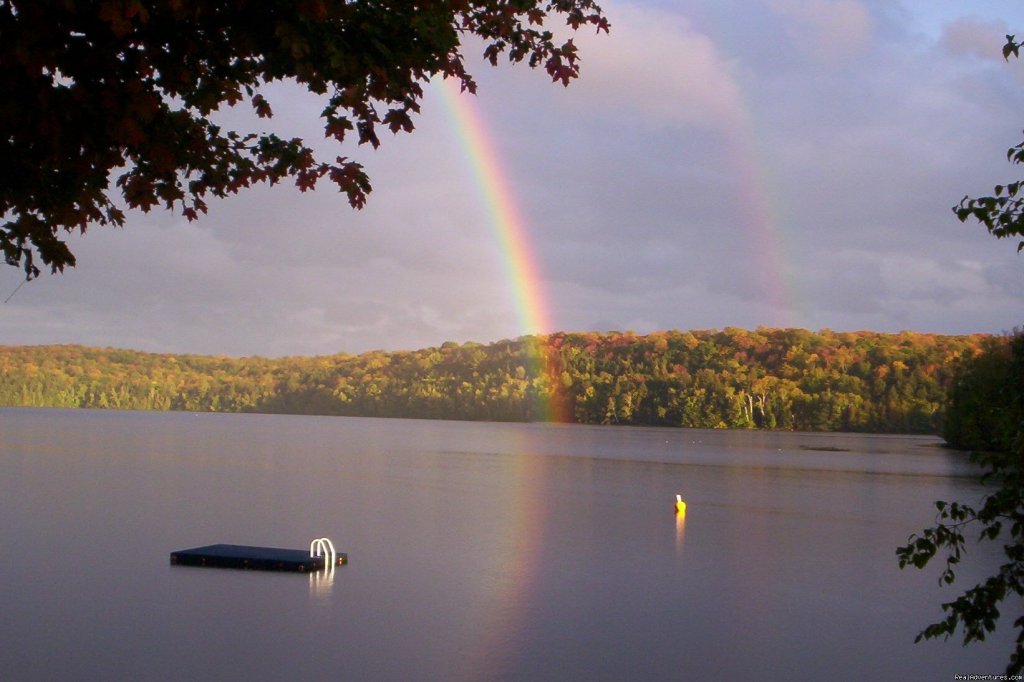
x=327, y=547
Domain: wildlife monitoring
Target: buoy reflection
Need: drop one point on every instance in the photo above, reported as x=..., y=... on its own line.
x=680, y=531
x=680, y=524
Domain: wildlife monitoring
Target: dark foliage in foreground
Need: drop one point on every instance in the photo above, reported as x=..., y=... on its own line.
x=987, y=411
x=113, y=104
x=986, y=415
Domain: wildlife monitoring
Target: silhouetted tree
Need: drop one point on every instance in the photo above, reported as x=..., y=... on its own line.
x=987, y=412
x=124, y=92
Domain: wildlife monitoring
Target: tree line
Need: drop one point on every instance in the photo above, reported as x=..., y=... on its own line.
x=732, y=378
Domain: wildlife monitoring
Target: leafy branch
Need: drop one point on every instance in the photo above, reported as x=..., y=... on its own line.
x=1002, y=214
x=987, y=408
x=109, y=104
x=1000, y=518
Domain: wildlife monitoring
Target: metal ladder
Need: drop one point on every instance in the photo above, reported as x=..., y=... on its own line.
x=324, y=547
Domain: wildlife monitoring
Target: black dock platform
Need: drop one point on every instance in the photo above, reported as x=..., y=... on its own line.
x=256, y=558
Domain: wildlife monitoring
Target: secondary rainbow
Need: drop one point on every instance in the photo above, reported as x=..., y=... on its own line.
x=763, y=217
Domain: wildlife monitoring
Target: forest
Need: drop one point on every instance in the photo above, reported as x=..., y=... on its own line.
x=790, y=379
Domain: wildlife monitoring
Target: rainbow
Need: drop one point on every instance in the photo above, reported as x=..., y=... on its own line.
x=521, y=269
x=762, y=216
x=499, y=615
x=496, y=193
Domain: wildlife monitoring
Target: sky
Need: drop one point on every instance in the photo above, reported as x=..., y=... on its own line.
x=720, y=163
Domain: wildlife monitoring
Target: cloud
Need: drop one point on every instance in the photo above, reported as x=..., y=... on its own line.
x=657, y=67
x=975, y=37
x=830, y=31
x=711, y=150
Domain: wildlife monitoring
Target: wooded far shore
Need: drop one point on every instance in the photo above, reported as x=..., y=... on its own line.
x=732, y=378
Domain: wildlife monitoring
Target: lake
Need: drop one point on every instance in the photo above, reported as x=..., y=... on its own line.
x=478, y=551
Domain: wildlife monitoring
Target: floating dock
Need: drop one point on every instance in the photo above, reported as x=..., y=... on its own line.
x=259, y=558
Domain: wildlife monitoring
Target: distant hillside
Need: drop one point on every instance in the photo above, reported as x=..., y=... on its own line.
x=733, y=378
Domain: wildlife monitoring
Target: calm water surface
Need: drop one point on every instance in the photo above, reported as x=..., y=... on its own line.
x=477, y=551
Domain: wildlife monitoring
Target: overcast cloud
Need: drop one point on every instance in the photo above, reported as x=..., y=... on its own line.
x=764, y=162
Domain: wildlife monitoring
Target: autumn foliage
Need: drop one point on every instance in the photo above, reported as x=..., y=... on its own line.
x=733, y=378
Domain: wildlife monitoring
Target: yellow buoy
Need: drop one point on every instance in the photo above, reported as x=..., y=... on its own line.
x=680, y=505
